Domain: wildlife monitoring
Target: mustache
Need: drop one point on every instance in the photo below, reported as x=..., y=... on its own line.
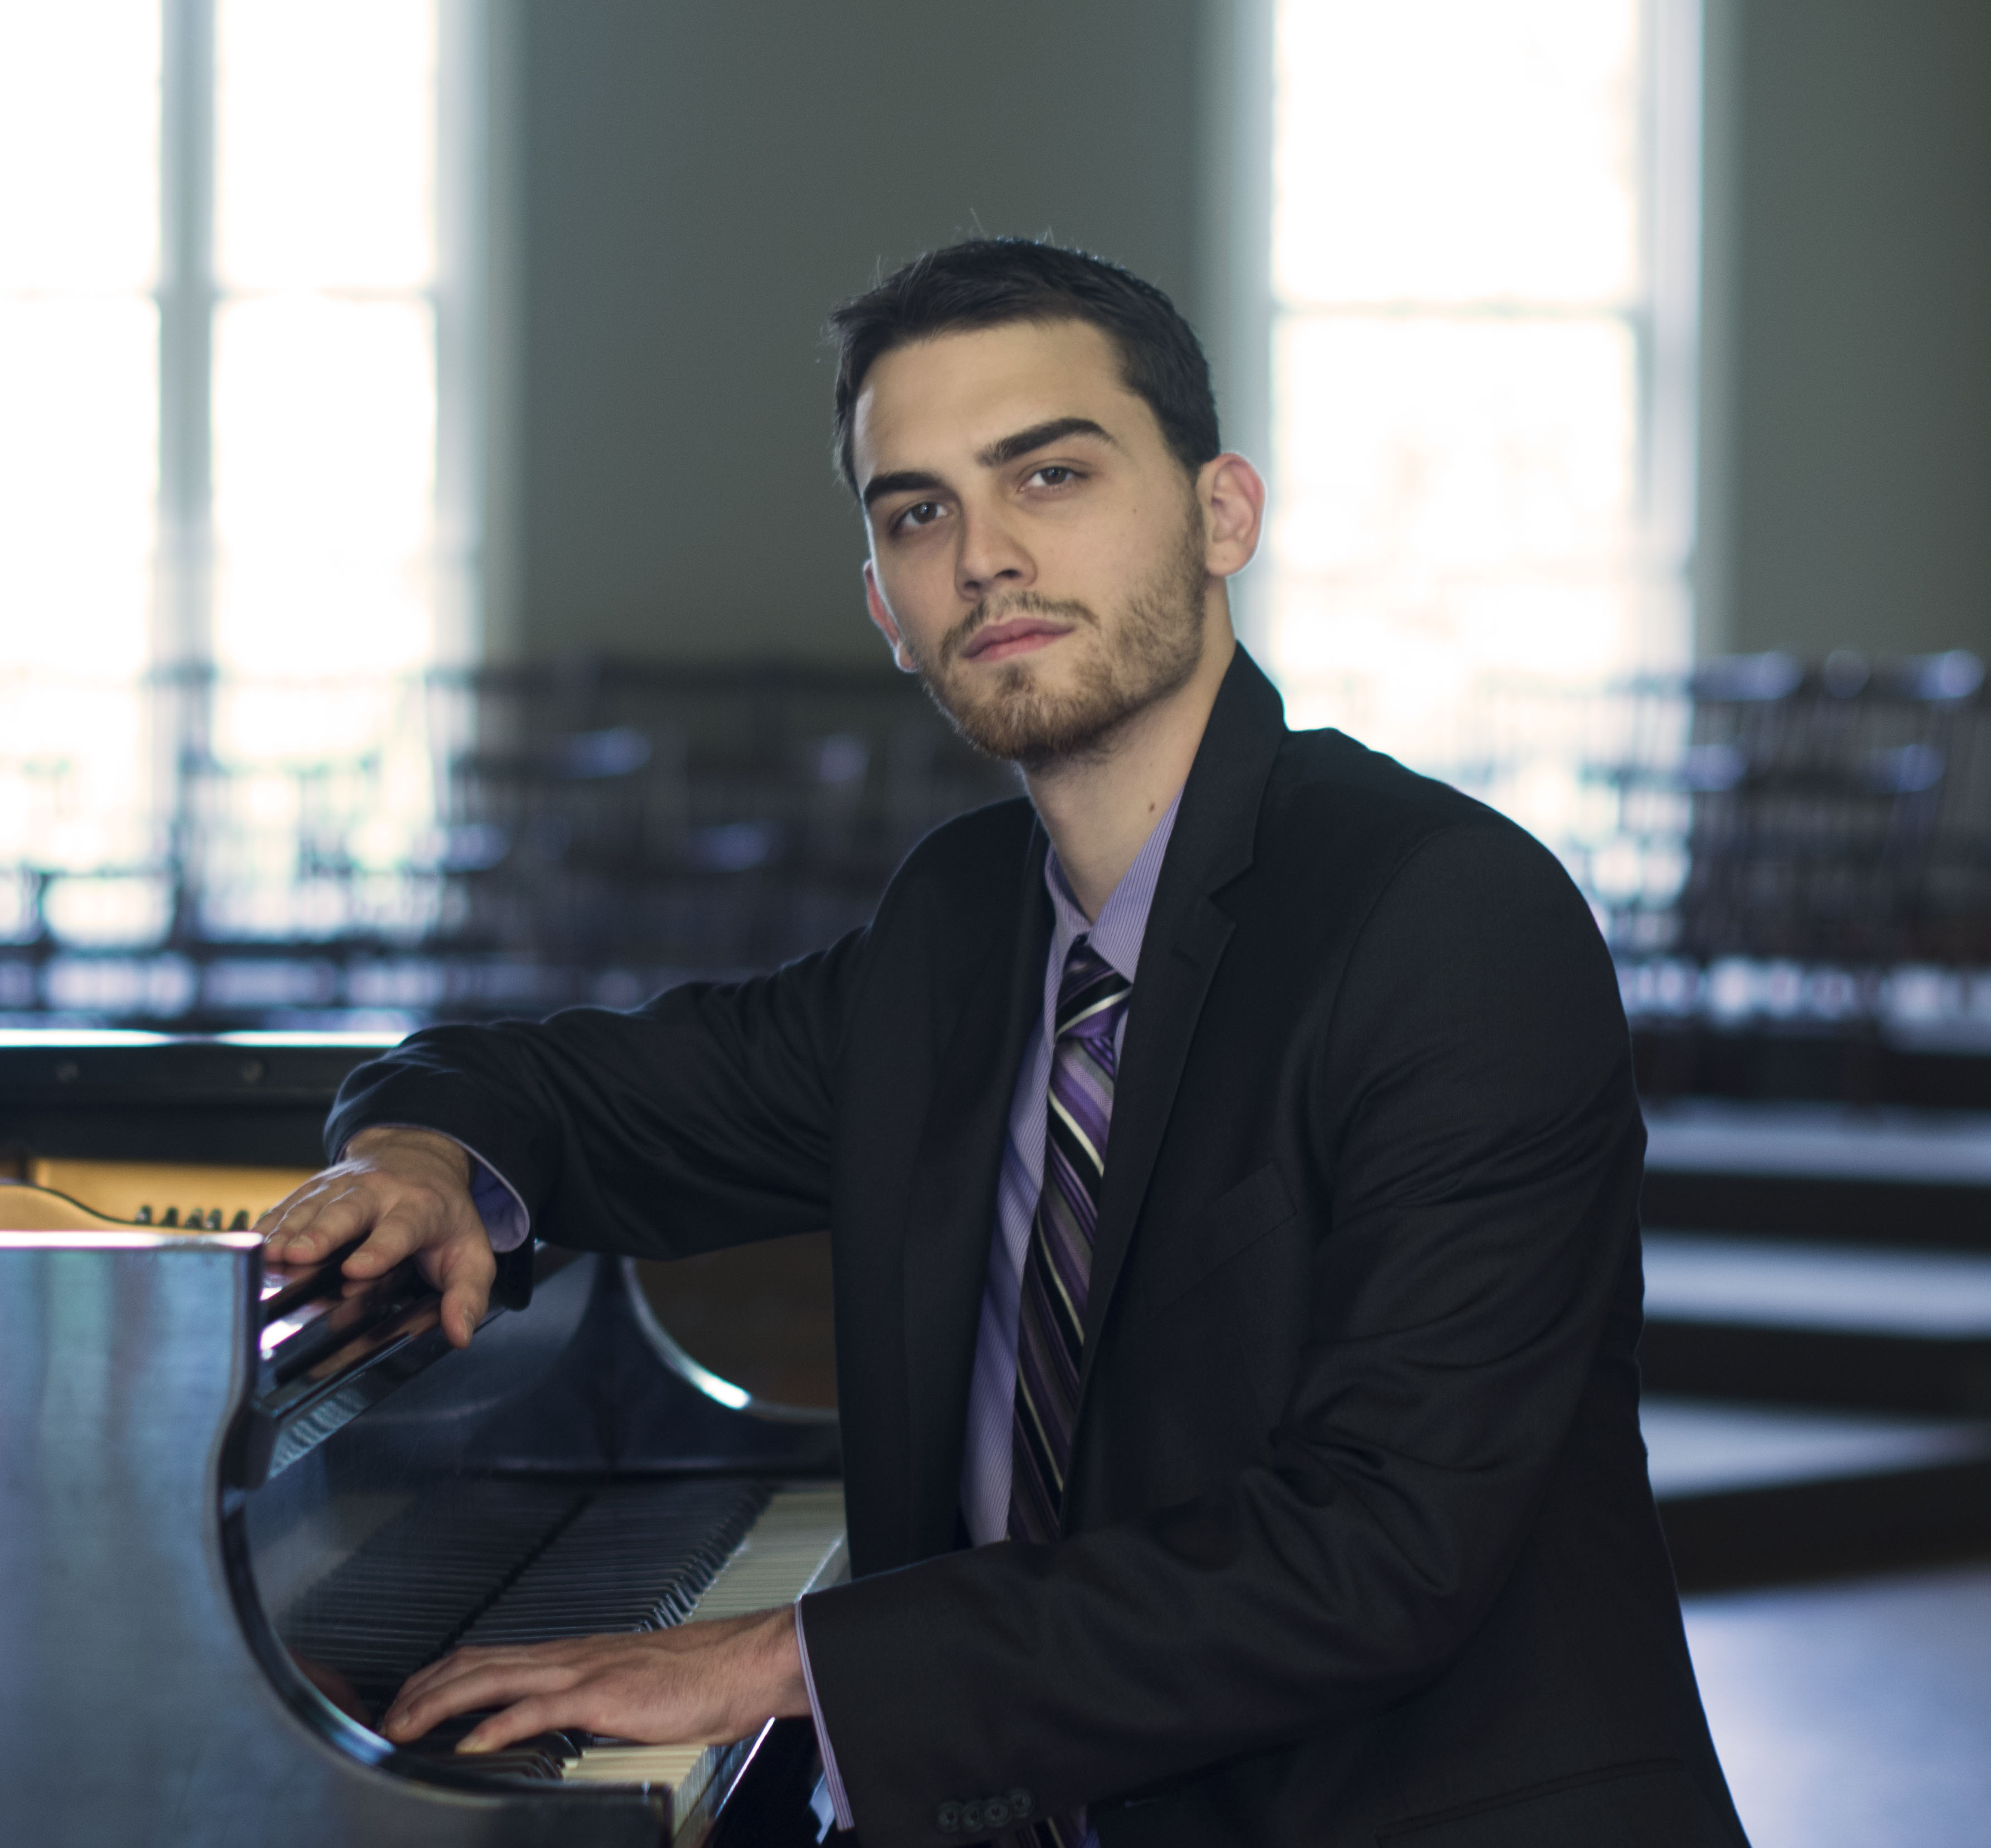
x=1015, y=602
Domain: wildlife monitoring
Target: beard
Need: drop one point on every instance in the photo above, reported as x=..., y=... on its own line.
x=1149, y=650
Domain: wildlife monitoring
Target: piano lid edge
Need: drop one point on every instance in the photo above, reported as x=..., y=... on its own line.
x=696, y=1374
x=449, y=1803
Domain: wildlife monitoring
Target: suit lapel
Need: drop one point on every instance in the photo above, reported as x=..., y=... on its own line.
x=951, y=1210
x=1183, y=944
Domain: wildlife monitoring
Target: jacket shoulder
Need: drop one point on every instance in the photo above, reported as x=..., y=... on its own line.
x=1323, y=777
x=1360, y=837
x=1327, y=760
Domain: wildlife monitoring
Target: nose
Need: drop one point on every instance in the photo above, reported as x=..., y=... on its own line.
x=992, y=558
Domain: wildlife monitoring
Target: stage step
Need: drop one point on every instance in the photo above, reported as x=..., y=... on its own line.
x=1752, y=1495
x=1890, y=1330
x=1697, y=1448
x=1816, y=1361
x=1821, y=1172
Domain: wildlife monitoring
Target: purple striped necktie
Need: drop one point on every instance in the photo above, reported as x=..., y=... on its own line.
x=1050, y=1316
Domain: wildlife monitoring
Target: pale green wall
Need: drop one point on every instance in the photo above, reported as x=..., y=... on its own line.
x=684, y=189
x=695, y=185
x=1857, y=470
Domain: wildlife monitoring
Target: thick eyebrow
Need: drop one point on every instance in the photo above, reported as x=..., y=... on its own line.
x=1007, y=449
x=1040, y=436
x=906, y=481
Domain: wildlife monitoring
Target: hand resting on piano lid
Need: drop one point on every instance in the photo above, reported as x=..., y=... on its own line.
x=406, y=1193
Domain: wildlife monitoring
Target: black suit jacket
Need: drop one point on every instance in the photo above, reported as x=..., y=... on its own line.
x=1360, y=1547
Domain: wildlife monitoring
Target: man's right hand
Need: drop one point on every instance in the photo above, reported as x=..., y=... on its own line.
x=408, y=1190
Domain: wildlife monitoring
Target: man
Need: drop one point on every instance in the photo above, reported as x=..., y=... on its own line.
x=1231, y=1159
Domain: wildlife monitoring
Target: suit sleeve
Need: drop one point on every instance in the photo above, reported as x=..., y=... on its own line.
x=701, y=1119
x=1469, y=1107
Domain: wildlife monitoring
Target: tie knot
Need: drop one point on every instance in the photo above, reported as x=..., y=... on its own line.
x=1091, y=994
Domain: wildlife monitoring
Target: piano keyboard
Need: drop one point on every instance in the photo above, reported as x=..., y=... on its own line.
x=517, y=1561
x=638, y=1556
x=447, y=1572
x=797, y=1546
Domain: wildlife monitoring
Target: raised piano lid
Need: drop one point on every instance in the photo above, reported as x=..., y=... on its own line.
x=145, y=1692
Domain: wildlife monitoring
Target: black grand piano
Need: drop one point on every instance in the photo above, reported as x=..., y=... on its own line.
x=238, y=1507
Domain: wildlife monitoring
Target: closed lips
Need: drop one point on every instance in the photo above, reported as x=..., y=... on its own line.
x=1003, y=634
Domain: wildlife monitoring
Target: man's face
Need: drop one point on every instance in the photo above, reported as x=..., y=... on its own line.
x=1038, y=554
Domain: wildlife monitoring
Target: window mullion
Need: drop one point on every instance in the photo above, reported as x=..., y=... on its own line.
x=186, y=286
x=184, y=583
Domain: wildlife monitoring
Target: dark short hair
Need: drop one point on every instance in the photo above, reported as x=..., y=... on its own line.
x=990, y=281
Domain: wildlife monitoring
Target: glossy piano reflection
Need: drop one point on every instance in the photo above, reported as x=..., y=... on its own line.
x=247, y=1504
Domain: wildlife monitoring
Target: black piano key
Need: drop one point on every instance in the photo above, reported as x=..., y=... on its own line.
x=539, y=1757
x=504, y=1561
x=447, y=1735
x=404, y=1598
x=637, y=1557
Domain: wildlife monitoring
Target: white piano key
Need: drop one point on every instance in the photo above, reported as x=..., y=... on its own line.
x=796, y=1547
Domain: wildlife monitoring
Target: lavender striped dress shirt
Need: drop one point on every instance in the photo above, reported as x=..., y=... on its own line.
x=986, y=1463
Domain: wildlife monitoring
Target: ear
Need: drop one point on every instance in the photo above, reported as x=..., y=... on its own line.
x=1232, y=494
x=881, y=616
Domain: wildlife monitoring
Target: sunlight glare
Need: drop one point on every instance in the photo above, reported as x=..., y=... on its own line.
x=79, y=392
x=324, y=426
x=1447, y=442
x=79, y=144
x=324, y=133
x=1457, y=151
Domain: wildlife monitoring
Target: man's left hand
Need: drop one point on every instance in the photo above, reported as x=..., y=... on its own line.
x=693, y=1684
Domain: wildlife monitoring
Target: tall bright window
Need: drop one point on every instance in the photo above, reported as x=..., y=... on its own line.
x=1482, y=366
x=324, y=422
x=223, y=564
x=79, y=383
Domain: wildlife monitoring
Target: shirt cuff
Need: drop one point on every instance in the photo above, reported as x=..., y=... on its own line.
x=839, y=1804
x=506, y=1222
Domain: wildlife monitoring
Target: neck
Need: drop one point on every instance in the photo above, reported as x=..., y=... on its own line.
x=1100, y=809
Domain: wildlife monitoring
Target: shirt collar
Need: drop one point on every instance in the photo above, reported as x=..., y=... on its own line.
x=1123, y=919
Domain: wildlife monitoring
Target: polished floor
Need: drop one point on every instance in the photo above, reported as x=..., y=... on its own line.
x=1855, y=1714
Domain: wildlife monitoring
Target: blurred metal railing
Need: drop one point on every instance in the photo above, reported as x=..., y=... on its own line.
x=1759, y=838
x=506, y=840
x=1767, y=840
